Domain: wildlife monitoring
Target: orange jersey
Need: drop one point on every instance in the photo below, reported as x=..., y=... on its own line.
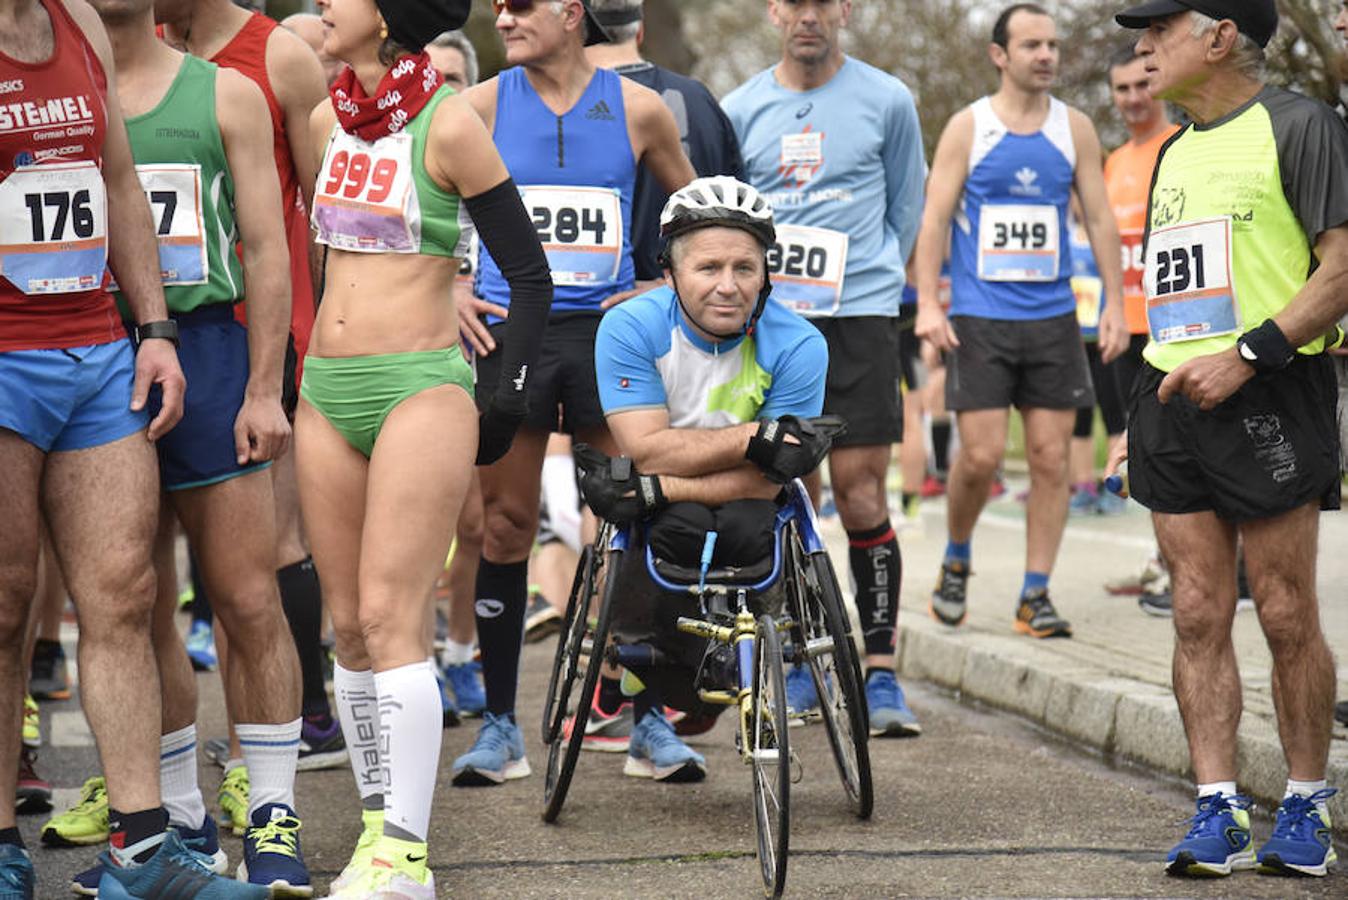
x=1128, y=182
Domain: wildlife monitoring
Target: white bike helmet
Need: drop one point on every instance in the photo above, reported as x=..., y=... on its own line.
x=718, y=200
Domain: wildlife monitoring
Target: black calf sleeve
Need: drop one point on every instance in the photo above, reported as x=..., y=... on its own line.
x=302, y=600
x=877, y=569
x=502, y=597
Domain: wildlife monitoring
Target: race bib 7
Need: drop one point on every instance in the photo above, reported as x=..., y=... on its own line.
x=174, y=192
x=807, y=266
x=53, y=228
x=364, y=201
x=581, y=230
x=1018, y=242
x=1190, y=292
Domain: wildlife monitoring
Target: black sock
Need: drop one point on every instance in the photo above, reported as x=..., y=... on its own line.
x=908, y=498
x=128, y=829
x=502, y=598
x=201, y=601
x=877, y=569
x=644, y=702
x=610, y=695
x=11, y=836
x=940, y=447
x=302, y=600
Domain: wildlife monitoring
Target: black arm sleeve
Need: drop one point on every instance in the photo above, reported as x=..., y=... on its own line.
x=509, y=235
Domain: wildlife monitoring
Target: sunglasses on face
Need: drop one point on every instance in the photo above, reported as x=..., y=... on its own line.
x=514, y=6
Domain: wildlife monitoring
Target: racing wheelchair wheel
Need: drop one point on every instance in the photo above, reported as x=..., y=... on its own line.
x=584, y=655
x=771, y=757
x=823, y=638
x=566, y=661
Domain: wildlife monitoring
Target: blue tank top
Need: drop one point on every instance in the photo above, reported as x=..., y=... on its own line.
x=576, y=173
x=1009, y=249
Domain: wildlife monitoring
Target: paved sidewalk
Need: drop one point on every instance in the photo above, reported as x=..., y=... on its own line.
x=1107, y=687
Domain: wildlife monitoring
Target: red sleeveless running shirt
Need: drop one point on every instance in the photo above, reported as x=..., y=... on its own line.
x=247, y=52
x=53, y=208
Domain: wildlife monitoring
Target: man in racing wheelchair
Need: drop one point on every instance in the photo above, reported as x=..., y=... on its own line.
x=708, y=389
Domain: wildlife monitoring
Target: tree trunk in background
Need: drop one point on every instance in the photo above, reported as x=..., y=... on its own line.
x=666, y=44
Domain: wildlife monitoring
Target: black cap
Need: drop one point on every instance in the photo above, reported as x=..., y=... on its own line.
x=1257, y=19
x=598, y=34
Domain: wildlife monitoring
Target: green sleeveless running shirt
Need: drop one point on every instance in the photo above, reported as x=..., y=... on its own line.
x=1235, y=209
x=180, y=158
x=376, y=196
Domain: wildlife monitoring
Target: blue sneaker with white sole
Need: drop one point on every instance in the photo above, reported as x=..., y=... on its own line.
x=204, y=841
x=1218, y=842
x=175, y=870
x=1303, y=838
x=272, y=856
x=655, y=751
x=890, y=715
x=496, y=756
x=18, y=881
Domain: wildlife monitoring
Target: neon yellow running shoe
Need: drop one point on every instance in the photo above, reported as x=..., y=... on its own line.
x=84, y=823
x=398, y=869
x=32, y=723
x=233, y=799
x=373, y=820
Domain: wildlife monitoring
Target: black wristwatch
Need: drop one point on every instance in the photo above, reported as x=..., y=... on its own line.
x=1265, y=348
x=166, y=329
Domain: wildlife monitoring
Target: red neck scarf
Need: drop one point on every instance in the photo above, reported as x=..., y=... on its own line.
x=401, y=94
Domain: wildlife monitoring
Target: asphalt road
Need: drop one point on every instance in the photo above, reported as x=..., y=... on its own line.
x=982, y=805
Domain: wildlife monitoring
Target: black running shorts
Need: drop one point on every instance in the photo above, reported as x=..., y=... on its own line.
x=564, y=376
x=1028, y=364
x=1271, y=447
x=864, y=378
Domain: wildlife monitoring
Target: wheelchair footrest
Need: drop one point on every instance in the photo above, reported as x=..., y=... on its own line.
x=706, y=629
x=635, y=656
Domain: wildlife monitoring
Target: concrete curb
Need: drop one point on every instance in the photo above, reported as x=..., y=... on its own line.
x=1119, y=716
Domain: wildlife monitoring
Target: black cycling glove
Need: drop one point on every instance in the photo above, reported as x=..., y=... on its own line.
x=614, y=489
x=782, y=460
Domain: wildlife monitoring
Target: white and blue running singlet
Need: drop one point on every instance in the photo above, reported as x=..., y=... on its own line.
x=576, y=173
x=842, y=166
x=647, y=357
x=1009, y=256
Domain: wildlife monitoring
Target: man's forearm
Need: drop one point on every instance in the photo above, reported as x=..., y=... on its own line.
x=691, y=452
x=1318, y=306
x=743, y=483
x=266, y=281
x=133, y=254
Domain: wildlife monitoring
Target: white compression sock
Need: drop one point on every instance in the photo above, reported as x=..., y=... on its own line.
x=181, y=795
x=270, y=753
x=358, y=711
x=410, y=732
x=456, y=654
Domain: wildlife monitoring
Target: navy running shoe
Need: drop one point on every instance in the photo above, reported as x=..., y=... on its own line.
x=1303, y=839
x=272, y=856
x=1218, y=842
x=204, y=841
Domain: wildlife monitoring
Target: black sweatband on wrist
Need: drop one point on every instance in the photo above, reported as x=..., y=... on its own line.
x=509, y=235
x=1272, y=351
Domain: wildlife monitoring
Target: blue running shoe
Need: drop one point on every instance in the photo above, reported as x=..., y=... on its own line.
x=449, y=710
x=17, y=878
x=1218, y=842
x=1084, y=501
x=466, y=682
x=496, y=755
x=890, y=715
x=272, y=856
x=655, y=751
x=1303, y=840
x=201, y=646
x=174, y=871
x=204, y=841
x=801, y=697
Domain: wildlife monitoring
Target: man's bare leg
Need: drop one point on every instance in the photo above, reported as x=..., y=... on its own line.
x=1048, y=434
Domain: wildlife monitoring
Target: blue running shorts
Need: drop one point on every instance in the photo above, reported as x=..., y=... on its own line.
x=70, y=399
x=213, y=351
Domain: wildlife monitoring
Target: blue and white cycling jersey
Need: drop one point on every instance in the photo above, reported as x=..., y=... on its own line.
x=842, y=166
x=1009, y=256
x=647, y=357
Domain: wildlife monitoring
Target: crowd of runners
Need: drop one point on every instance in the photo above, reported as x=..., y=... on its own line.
x=323, y=304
